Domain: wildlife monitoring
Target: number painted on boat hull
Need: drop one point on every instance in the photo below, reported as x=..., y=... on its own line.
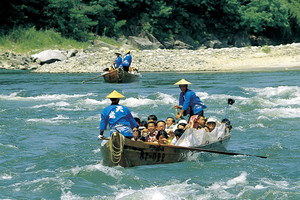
x=156, y=157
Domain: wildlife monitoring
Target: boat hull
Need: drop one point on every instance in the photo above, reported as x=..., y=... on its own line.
x=119, y=76
x=127, y=153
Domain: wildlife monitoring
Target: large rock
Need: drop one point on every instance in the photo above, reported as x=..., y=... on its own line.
x=181, y=45
x=49, y=56
x=143, y=43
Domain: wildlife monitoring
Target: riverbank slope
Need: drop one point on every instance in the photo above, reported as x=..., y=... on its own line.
x=96, y=58
x=283, y=57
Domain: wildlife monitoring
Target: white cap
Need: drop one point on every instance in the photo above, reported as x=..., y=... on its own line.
x=211, y=119
x=182, y=121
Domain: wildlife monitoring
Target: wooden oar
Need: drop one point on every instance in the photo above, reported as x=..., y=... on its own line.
x=213, y=151
x=92, y=78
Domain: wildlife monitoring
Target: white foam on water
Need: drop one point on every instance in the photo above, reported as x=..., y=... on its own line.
x=276, y=184
x=69, y=196
x=280, y=91
x=162, y=99
x=9, y=146
x=184, y=190
x=218, y=189
x=56, y=104
x=6, y=176
x=202, y=95
x=110, y=171
x=275, y=96
x=30, y=168
x=96, y=102
x=280, y=112
x=173, y=190
x=258, y=125
x=53, y=120
x=46, y=97
x=41, y=183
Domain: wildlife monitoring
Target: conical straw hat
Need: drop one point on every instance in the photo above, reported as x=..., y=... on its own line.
x=183, y=82
x=115, y=95
x=127, y=51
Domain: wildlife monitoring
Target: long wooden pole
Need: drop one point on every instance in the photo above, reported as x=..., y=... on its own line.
x=213, y=151
x=92, y=78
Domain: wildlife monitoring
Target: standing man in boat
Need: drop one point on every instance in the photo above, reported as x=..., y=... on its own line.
x=118, y=117
x=127, y=60
x=118, y=61
x=189, y=102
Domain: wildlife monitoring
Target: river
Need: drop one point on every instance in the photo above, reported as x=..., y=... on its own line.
x=49, y=128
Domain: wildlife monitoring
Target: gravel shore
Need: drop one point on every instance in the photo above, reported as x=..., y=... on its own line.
x=267, y=58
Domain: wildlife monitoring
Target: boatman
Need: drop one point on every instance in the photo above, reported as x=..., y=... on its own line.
x=127, y=60
x=118, y=61
x=189, y=102
x=118, y=117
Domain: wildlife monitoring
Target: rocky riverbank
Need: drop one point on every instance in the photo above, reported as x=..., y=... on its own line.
x=96, y=58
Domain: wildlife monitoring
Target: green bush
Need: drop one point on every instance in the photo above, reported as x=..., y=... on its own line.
x=31, y=40
x=266, y=49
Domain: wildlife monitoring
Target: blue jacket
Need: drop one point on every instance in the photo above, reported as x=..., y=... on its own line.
x=189, y=100
x=118, y=61
x=127, y=60
x=118, y=116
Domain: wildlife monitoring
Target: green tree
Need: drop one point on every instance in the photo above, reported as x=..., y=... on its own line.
x=266, y=17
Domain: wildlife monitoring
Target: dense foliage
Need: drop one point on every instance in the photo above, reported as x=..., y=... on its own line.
x=192, y=21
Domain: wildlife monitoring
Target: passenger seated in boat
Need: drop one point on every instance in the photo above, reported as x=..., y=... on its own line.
x=171, y=135
x=162, y=137
x=227, y=123
x=178, y=133
x=197, y=122
x=152, y=132
x=181, y=126
x=145, y=133
x=201, y=121
x=170, y=124
x=160, y=125
x=152, y=118
x=106, y=69
x=143, y=125
x=136, y=134
x=133, y=70
x=211, y=124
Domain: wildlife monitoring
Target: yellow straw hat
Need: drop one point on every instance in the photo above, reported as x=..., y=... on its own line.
x=117, y=53
x=115, y=95
x=183, y=82
x=127, y=51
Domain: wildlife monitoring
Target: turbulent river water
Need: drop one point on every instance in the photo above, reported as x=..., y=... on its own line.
x=49, y=147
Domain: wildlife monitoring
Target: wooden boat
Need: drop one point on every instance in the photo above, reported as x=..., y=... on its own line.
x=127, y=153
x=120, y=76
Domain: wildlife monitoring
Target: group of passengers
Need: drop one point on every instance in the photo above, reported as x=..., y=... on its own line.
x=120, y=119
x=167, y=131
